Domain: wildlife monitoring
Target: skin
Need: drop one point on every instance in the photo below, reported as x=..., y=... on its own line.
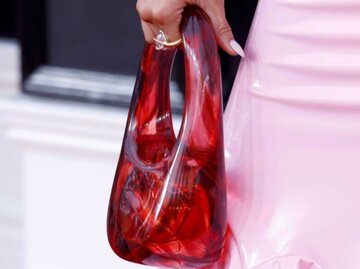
x=166, y=15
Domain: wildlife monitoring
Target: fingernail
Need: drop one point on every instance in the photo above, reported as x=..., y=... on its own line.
x=236, y=46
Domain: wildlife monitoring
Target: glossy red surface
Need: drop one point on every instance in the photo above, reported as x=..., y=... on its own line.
x=168, y=202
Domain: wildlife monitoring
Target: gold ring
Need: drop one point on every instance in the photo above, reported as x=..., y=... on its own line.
x=161, y=41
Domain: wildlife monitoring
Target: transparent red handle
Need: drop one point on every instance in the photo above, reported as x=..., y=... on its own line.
x=168, y=202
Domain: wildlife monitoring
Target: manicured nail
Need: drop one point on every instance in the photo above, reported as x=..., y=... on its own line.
x=236, y=46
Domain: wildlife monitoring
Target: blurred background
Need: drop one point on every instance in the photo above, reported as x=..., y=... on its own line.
x=67, y=70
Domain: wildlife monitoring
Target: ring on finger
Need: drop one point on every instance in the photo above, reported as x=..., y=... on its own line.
x=161, y=41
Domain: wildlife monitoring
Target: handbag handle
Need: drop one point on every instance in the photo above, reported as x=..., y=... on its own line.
x=168, y=202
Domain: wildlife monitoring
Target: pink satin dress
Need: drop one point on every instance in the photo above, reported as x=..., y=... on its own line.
x=292, y=139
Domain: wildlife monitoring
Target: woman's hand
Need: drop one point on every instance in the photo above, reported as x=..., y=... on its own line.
x=166, y=15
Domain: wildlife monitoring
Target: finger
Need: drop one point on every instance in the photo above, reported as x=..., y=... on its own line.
x=222, y=29
x=171, y=31
x=169, y=22
x=149, y=31
x=165, y=15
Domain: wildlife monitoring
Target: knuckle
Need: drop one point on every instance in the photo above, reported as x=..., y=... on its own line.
x=161, y=16
x=138, y=6
x=223, y=28
x=158, y=15
x=144, y=11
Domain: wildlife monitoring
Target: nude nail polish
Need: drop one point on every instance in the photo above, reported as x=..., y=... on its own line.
x=236, y=46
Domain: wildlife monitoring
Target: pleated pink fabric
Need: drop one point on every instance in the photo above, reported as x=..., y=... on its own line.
x=292, y=138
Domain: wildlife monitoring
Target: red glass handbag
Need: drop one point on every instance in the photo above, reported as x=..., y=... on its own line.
x=168, y=201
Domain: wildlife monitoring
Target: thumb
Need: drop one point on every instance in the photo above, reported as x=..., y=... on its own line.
x=222, y=29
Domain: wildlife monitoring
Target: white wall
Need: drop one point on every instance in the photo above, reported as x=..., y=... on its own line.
x=11, y=221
